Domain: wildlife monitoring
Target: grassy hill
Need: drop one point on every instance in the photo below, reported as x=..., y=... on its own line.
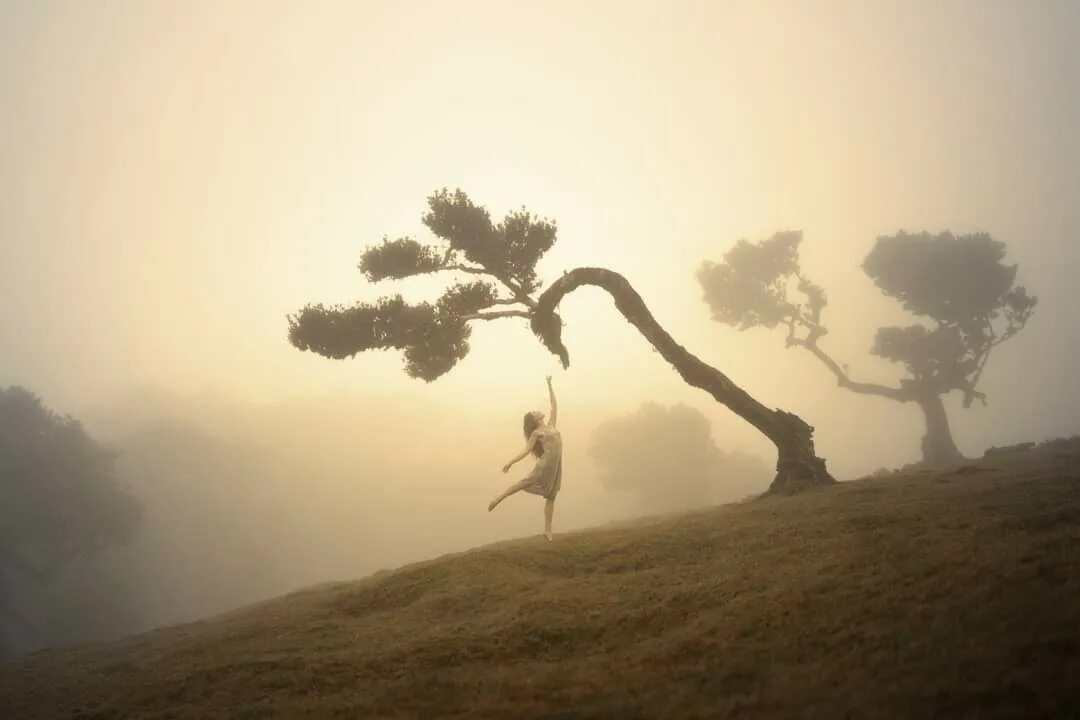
x=952, y=593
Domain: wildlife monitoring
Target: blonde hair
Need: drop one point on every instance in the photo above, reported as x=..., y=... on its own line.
x=532, y=421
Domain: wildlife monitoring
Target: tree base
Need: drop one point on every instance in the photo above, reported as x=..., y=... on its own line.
x=798, y=467
x=941, y=456
x=791, y=480
x=935, y=463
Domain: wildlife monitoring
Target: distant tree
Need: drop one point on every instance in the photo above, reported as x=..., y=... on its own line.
x=503, y=257
x=59, y=500
x=666, y=457
x=958, y=284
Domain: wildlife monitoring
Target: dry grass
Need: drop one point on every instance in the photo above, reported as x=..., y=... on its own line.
x=952, y=593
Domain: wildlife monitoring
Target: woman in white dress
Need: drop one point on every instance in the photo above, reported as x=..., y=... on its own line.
x=545, y=442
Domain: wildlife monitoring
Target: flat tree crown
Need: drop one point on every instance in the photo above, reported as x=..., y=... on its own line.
x=434, y=336
x=961, y=284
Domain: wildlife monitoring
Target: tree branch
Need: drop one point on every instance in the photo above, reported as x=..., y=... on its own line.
x=519, y=293
x=814, y=331
x=845, y=381
x=547, y=326
x=520, y=296
x=497, y=314
x=970, y=393
x=467, y=268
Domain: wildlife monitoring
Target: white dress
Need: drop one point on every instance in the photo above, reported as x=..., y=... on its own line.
x=546, y=476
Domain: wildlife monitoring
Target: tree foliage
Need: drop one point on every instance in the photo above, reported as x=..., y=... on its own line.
x=397, y=259
x=61, y=500
x=959, y=284
x=749, y=289
x=434, y=336
x=948, y=278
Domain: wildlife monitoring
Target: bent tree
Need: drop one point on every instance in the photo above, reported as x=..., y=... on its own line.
x=957, y=283
x=502, y=259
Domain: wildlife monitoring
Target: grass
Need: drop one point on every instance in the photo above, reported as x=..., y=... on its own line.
x=950, y=593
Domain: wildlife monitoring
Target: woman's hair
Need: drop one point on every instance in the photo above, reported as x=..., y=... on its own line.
x=530, y=424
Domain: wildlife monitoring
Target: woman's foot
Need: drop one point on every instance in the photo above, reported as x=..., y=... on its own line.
x=547, y=534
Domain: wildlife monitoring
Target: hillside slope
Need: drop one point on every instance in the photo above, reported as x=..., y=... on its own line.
x=951, y=593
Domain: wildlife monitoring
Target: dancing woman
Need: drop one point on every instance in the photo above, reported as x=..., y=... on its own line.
x=545, y=442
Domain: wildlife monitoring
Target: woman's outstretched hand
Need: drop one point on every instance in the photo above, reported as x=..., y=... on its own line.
x=549, y=380
x=506, y=468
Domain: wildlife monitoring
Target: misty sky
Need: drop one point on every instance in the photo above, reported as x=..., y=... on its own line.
x=176, y=177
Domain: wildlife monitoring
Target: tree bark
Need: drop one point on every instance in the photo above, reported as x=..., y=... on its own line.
x=938, y=447
x=797, y=467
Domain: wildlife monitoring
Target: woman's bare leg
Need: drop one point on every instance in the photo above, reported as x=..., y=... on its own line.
x=549, y=510
x=516, y=487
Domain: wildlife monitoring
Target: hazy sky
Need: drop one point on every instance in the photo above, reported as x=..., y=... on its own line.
x=176, y=177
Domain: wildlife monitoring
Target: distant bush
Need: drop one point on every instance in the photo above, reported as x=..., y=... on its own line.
x=666, y=457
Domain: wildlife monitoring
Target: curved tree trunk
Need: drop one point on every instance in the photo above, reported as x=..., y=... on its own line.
x=938, y=447
x=797, y=467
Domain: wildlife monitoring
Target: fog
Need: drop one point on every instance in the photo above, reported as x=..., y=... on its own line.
x=243, y=502
x=177, y=177
x=665, y=459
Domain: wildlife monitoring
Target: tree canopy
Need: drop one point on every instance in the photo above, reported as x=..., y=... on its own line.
x=950, y=278
x=750, y=288
x=959, y=283
x=435, y=336
x=61, y=499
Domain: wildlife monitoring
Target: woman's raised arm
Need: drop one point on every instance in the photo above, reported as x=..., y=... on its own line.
x=553, y=416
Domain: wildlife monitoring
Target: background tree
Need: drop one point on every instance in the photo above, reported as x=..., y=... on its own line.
x=502, y=256
x=59, y=500
x=958, y=284
x=666, y=459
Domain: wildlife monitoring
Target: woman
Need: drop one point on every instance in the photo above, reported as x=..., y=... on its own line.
x=543, y=441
